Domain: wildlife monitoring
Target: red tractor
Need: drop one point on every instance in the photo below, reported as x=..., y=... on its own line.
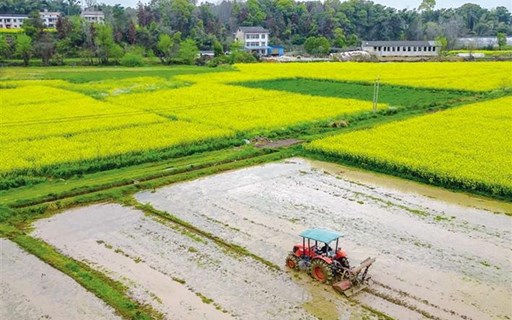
x=327, y=264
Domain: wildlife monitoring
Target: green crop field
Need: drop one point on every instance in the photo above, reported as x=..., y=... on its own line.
x=392, y=95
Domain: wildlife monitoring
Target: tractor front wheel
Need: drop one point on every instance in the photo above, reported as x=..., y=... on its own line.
x=321, y=271
x=292, y=261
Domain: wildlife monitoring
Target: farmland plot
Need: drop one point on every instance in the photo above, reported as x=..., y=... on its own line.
x=435, y=259
x=182, y=274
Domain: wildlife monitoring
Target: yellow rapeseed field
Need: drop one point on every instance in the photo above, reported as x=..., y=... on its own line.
x=35, y=112
x=47, y=122
x=477, y=76
x=240, y=108
x=469, y=146
x=38, y=153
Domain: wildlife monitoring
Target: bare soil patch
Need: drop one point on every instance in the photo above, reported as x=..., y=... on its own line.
x=262, y=142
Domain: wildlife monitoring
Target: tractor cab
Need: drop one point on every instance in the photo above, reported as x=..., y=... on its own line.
x=320, y=254
x=322, y=244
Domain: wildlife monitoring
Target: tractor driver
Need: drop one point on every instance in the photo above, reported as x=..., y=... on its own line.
x=327, y=250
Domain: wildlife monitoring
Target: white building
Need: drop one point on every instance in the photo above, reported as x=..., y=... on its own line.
x=254, y=39
x=402, y=48
x=49, y=18
x=12, y=21
x=93, y=16
x=15, y=21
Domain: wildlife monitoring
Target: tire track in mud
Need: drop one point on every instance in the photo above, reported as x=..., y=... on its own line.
x=399, y=297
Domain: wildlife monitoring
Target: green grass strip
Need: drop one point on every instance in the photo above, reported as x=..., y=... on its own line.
x=60, y=189
x=390, y=94
x=24, y=215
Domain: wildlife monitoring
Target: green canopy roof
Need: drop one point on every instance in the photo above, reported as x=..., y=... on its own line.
x=321, y=235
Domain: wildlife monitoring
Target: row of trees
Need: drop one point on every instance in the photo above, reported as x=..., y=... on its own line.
x=94, y=43
x=99, y=44
x=174, y=29
x=342, y=23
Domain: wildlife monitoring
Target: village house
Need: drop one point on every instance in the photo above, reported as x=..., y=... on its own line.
x=402, y=48
x=15, y=21
x=49, y=18
x=12, y=21
x=93, y=16
x=254, y=39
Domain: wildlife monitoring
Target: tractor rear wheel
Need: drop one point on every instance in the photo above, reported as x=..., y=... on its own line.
x=292, y=261
x=321, y=271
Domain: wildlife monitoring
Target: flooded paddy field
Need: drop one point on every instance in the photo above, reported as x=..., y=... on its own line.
x=440, y=255
x=181, y=274
x=31, y=289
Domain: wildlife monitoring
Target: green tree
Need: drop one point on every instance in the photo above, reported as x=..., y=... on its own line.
x=427, y=5
x=239, y=55
x=340, y=40
x=317, y=45
x=310, y=45
x=33, y=26
x=164, y=48
x=5, y=48
x=443, y=42
x=116, y=52
x=175, y=14
x=502, y=40
x=45, y=47
x=104, y=41
x=188, y=52
x=168, y=47
x=24, y=48
x=256, y=14
x=218, y=50
x=353, y=40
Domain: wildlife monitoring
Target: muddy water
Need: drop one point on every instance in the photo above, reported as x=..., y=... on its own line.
x=30, y=289
x=441, y=255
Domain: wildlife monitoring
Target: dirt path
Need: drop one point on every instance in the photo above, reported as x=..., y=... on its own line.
x=30, y=289
x=436, y=259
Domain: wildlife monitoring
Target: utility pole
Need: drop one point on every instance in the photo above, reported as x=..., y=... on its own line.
x=376, y=93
